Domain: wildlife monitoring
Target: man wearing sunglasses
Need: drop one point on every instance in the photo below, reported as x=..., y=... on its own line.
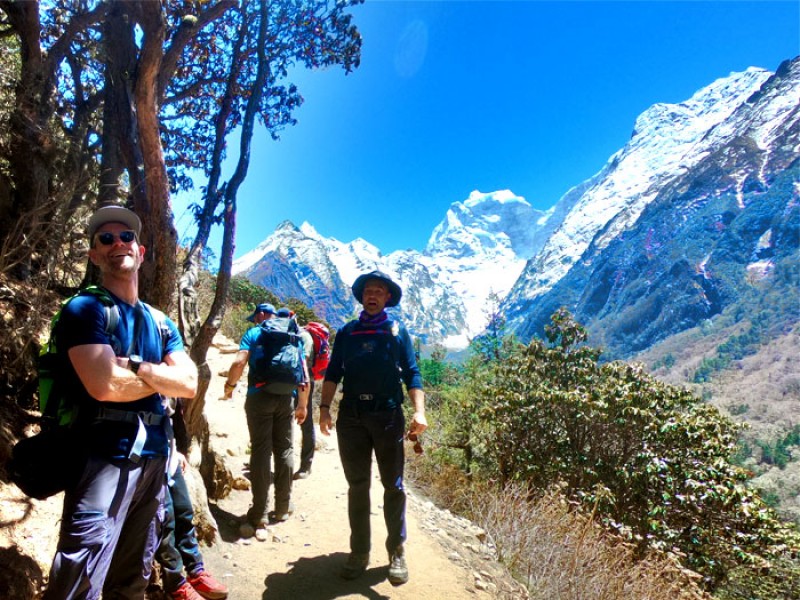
x=118, y=379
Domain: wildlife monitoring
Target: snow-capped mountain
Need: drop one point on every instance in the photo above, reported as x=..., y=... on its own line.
x=661, y=239
x=667, y=140
x=648, y=223
x=479, y=249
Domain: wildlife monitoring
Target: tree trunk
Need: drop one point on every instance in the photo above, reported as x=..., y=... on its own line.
x=157, y=278
x=204, y=336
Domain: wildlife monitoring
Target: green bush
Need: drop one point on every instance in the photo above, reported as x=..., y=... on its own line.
x=778, y=453
x=652, y=460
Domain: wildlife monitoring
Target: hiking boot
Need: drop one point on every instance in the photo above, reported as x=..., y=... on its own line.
x=208, y=587
x=279, y=516
x=302, y=474
x=256, y=518
x=246, y=530
x=355, y=566
x=185, y=592
x=398, y=570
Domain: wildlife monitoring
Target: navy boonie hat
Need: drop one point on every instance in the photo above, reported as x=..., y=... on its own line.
x=283, y=312
x=394, y=289
x=265, y=308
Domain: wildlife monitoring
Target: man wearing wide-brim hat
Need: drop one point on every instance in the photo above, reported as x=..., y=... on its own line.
x=374, y=356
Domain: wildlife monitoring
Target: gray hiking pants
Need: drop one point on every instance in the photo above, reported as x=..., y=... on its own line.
x=269, y=419
x=108, y=531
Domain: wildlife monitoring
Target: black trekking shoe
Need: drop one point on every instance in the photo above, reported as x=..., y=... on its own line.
x=355, y=566
x=279, y=516
x=303, y=473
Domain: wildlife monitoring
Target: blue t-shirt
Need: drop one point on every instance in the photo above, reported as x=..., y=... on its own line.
x=83, y=321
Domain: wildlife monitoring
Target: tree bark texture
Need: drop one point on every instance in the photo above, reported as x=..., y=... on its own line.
x=160, y=267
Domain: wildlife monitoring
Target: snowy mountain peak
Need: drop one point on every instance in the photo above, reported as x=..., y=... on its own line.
x=667, y=140
x=308, y=230
x=706, y=108
x=486, y=225
x=477, y=198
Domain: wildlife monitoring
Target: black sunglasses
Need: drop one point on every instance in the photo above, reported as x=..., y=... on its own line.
x=107, y=238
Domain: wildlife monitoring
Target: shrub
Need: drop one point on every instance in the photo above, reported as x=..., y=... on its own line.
x=654, y=460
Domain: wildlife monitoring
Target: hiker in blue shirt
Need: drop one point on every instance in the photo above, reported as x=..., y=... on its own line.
x=110, y=517
x=375, y=356
x=269, y=407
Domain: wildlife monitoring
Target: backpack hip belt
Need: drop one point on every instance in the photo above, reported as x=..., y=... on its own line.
x=130, y=416
x=369, y=397
x=141, y=419
x=372, y=402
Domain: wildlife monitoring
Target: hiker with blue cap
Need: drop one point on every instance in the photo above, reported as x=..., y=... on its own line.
x=118, y=379
x=374, y=356
x=261, y=313
x=273, y=353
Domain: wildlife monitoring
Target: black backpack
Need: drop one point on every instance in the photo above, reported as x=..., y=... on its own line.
x=371, y=359
x=276, y=359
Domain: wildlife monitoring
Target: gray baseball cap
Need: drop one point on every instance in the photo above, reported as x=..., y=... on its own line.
x=114, y=214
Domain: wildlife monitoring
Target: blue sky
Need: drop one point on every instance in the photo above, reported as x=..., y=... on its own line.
x=455, y=96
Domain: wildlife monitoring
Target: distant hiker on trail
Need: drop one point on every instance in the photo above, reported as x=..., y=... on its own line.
x=273, y=351
x=179, y=548
x=307, y=426
x=110, y=518
x=375, y=356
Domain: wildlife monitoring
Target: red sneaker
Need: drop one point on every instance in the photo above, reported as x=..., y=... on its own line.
x=185, y=592
x=208, y=587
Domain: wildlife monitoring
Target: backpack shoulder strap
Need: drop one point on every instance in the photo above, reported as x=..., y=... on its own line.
x=349, y=327
x=394, y=328
x=161, y=321
x=110, y=310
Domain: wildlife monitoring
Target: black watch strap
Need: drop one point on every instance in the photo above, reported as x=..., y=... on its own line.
x=134, y=362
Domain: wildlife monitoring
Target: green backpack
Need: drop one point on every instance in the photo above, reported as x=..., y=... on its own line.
x=57, y=408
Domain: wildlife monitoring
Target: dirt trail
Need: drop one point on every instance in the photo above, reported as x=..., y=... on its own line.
x=301, y=558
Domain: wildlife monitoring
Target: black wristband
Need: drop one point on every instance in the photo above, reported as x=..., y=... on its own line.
x=328, y=406
x=134, y=362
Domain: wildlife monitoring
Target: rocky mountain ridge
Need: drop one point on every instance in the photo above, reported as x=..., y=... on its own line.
x=711, y=181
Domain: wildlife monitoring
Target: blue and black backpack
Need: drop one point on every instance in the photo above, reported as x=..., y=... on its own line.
x=52, y=460
x=58, y=408
x=276, y=359
x=372, y=360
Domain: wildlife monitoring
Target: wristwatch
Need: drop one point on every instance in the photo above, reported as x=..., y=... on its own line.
x=134, y=362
